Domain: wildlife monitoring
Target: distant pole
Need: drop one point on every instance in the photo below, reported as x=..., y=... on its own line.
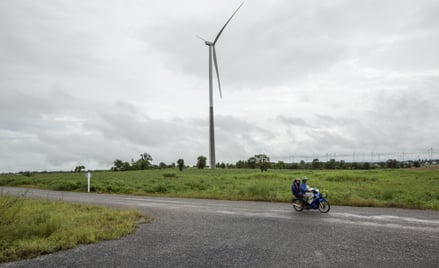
x=88, y=180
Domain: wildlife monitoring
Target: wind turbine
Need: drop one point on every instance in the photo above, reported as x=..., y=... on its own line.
x=212, y=55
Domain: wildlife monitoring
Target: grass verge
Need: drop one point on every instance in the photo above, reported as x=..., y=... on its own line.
x=29, y=228
x=405, y=188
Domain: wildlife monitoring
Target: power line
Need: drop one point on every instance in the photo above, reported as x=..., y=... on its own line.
x=429, y=154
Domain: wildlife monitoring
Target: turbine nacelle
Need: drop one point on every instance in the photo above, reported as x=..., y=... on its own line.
x=208, y=43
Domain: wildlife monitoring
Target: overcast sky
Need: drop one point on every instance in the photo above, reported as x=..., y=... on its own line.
x=89, y=82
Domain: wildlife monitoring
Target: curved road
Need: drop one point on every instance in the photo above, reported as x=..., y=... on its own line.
x=212, y=233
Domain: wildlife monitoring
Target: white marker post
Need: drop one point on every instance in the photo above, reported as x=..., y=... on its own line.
x=88, y=180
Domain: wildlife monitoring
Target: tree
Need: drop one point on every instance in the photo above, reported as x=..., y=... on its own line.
x=392, y=163
x=294, y=166
x=117, y=165
x=162, y=165
x=241, y=164
x=366, y=165
x=141, y=164
x=354, y=165
x=259, y=160
x=251, y=162
x=280, y=165
x=146, y=156
x=262, y=158
x=201, y=162
x=144, y=162
x=180, y=163
x=126, y=166
x=331, y=164
x=342, y=164
x=316, y=163
x=79, y=168
x=263, y=166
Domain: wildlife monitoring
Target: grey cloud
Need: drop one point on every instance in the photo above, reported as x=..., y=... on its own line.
x=237, y=139
x=21, y=110
x=89, y=82
x=412, y=54
x=293, y=121
x=332, y=121
x=34, y=48
x=407, y=116
x=327, y=141
x=286, y=54
x=133, y=127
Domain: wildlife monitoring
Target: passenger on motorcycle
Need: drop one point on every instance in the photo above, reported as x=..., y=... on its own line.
x=295, y=188
x=308, y=195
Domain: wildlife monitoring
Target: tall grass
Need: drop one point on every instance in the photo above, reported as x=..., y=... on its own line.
x=29, y=228
x=406, y=188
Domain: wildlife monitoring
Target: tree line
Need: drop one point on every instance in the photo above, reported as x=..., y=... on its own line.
x=145, y=162
x=262, y=162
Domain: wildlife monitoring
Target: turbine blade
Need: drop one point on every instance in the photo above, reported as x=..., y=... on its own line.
x=217, y=72
x=201, y=38
x=222, y=29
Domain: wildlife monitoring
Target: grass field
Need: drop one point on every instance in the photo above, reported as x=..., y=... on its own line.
x=404, y=188
x=29, y=228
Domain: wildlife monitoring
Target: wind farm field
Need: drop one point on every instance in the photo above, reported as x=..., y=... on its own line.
x=403, y=188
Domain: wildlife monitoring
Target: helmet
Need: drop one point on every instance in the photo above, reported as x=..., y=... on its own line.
x=304, y=179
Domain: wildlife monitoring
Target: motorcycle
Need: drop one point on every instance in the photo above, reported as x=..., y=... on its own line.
x=319, y=202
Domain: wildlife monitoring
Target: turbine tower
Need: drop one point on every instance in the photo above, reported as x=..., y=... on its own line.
x=212, y=56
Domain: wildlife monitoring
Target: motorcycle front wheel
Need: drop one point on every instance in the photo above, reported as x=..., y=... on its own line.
x=324, y=207
x=297, y=204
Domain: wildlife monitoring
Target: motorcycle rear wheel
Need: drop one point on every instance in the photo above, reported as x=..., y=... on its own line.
x=297, y=204
x=324, y=207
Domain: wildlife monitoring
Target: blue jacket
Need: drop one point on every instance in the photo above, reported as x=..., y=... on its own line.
x=304, y=187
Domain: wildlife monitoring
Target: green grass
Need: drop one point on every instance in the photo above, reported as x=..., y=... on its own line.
x=404, y=188
x=29, y=228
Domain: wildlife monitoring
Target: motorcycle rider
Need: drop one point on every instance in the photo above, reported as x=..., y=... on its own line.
x=308, y=195
x=295, y=188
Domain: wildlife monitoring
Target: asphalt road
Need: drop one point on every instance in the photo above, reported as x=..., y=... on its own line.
x=212, y=233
